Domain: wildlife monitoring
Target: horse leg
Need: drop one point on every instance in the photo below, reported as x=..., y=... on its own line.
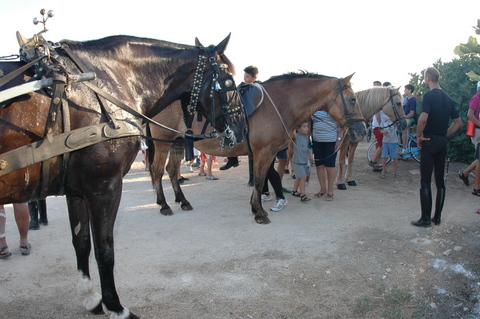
x=261, y=164
x=351, y=155
x=80, y=228
x=342, y=154
x=157, y=168
x=173, y=169
x=103, y=211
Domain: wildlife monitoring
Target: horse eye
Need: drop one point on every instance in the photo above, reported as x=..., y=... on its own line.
x=353, y=100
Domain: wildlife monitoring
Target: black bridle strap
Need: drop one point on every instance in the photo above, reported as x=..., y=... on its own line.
x=128, y=109
x=7, y=78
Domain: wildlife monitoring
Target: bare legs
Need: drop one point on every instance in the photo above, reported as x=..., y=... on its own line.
x=326, y=176
x=22, y=218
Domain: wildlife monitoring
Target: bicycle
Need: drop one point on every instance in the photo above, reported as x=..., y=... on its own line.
x=412, y=149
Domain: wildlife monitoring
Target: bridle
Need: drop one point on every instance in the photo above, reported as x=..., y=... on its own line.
x=339, y=91
x=220, y=83
x=398, y=118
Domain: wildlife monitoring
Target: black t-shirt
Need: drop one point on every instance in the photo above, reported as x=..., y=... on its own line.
x=440, y=108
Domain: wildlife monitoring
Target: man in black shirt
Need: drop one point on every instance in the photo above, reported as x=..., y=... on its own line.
x=432, y=133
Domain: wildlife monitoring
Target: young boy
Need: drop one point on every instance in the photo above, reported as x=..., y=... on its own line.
x=300, y=160
x=390, y=141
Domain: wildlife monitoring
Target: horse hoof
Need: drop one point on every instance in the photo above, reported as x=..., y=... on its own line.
x=341, y=187
x=166, y=211
x=186, y=207
x=262, y=220
x=351, y=183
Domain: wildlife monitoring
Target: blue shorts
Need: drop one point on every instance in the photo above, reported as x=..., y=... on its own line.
x=282, y=154
x=324, y=153
x=389, y=149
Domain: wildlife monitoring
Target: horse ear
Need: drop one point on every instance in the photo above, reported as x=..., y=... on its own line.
x=197, y=43
x=346, y=80
x=223, y=45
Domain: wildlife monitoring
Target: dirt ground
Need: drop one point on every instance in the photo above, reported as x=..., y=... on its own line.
x=355, y=257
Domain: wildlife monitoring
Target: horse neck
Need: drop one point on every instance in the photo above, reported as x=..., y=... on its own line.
x=371, y=103
x=298, y=99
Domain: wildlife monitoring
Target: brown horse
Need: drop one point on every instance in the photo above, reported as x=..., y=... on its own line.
x=371, y=101
x=285, y=102
x=145, y=74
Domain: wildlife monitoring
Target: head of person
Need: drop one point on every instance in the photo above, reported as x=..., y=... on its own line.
x=431, y=75
x=250, y=74
x=409, y=89
x=303, y=128
x=387, y=84
x=478, y=86
x=377, y=83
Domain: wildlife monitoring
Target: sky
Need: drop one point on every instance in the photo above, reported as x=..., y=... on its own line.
x=376, y=40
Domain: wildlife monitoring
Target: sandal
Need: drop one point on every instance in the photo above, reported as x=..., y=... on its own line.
x=382, y=175
x=305, y=198
x=26, y=250
x=202, y=174
x=318, y=195
x=476, y=192
x=6, y=255
x=295, y=193
x=463, y=178
x=212, y=177
x=396, y=174
x=329, y=197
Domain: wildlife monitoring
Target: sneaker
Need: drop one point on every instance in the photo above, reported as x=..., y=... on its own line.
x=189, y=168
x=266, y=197
x=279, y=205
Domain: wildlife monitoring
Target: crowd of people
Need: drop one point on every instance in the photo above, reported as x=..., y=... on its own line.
x=316, y=141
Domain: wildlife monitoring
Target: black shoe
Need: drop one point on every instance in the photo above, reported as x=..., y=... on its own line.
x=33, y=225
x=421, y=223
x=230, y=163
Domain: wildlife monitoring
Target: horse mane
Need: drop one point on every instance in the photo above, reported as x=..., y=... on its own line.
x=118, y=45
x=297, y=75
x=373, y=96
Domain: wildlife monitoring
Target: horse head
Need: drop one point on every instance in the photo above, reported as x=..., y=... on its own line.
x=229, y=118
x=346, y=110
x=393, y=108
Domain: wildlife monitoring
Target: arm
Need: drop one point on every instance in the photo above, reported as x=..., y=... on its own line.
x=471, y=117
x=411, y=114
x=422, y=121
x=456, y=124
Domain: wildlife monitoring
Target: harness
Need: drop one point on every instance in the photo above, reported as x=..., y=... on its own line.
x=398, y=118
x=41, y=56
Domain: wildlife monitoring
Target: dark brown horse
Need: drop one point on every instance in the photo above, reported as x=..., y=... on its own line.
x=286, y=101
x=371, y=101
x=145, y=74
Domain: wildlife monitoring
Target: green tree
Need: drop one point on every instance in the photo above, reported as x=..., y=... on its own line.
x=470, y=48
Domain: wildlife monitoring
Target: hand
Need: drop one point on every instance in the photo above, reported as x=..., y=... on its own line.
x=420, y=139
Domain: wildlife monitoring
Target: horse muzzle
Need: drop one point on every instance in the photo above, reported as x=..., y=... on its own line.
x=357, y=131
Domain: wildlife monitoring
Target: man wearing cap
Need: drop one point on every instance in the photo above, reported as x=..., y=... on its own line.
x=432, y=133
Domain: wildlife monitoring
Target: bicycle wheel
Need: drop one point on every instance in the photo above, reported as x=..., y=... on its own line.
x=413, y=148
x=371, y=151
